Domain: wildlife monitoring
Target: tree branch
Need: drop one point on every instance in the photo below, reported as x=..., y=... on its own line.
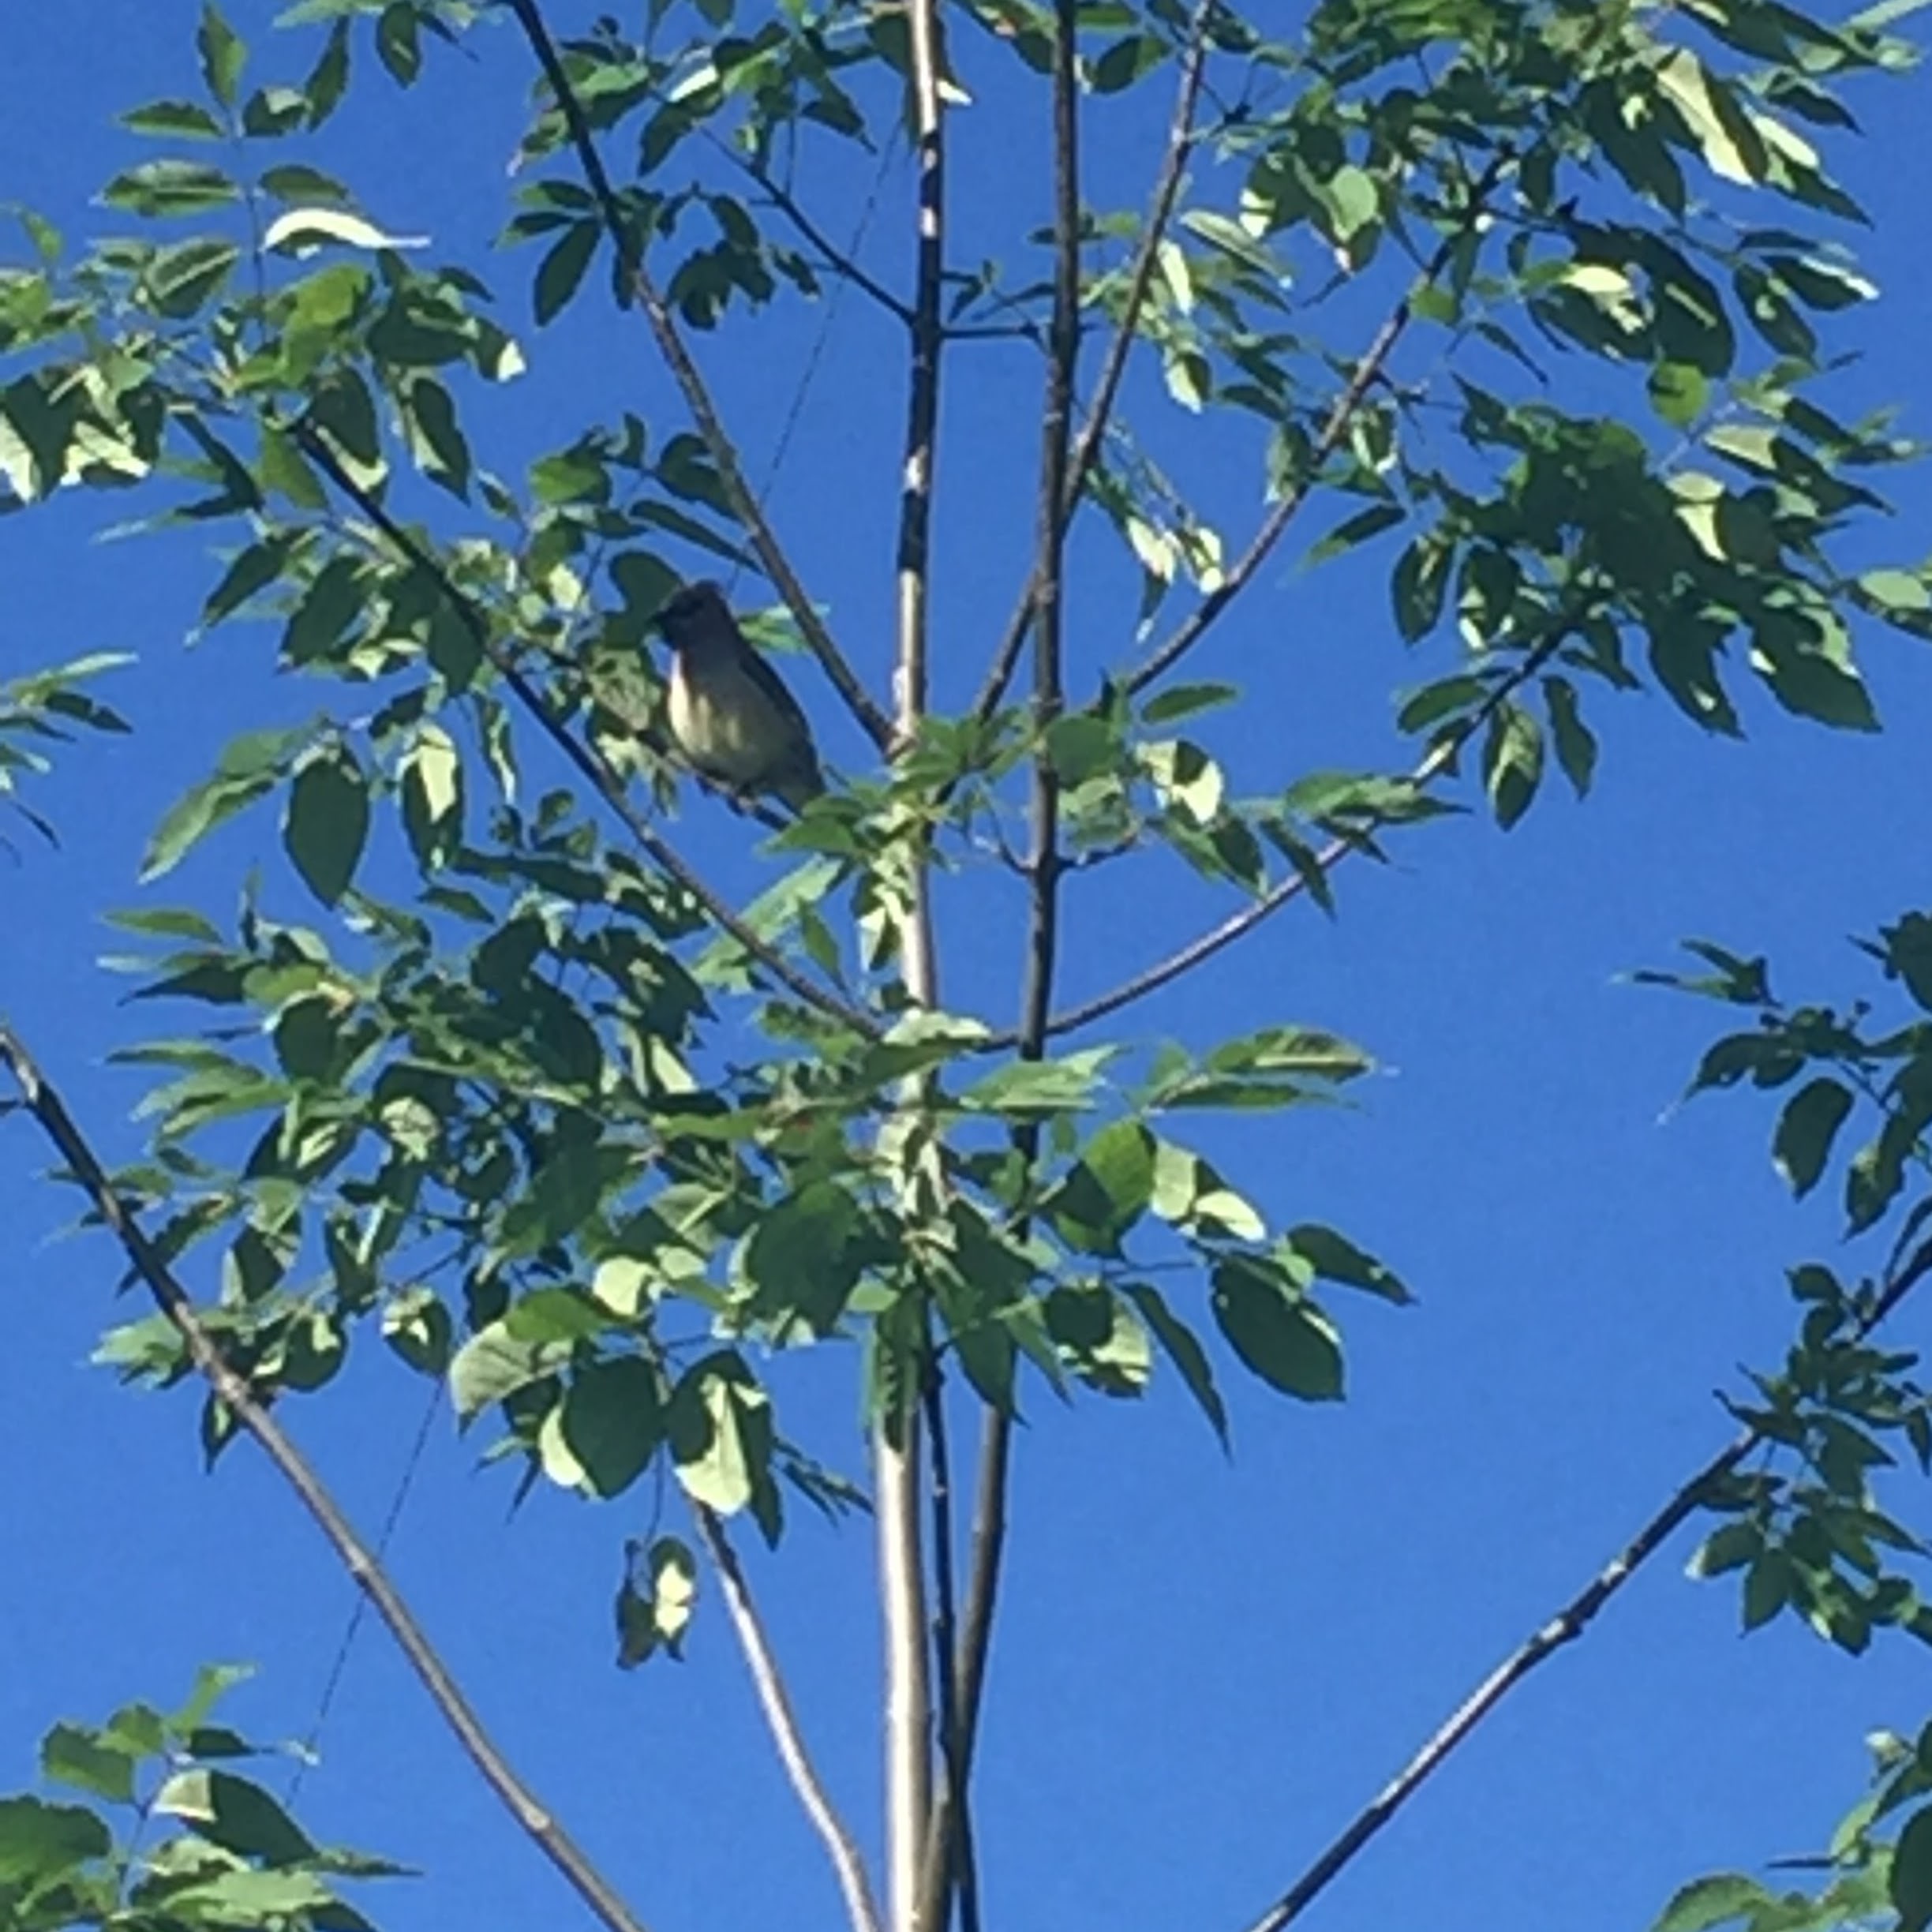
x=947, y=1866
x=1368, y=369
x=1106, y=389
x=950, y=1839
x=232, y=1390
x=895, y=1447
x=691, y=380
x=769, y=1683
x=609, y=787
x=1565, y=1626
x=1441, y=758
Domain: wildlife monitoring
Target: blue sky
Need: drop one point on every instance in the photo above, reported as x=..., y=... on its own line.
x=1203, y=1667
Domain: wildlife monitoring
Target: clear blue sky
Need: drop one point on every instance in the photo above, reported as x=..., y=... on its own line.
x=1202, y=1669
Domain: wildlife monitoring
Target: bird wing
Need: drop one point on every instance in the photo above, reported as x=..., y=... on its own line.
x=800, y=763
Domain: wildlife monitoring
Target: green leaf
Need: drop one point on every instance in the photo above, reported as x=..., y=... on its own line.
x=563, y=267
x=1678, y=392
x=328, y=80
x=1184, y=1350
x=1576, y=744
x=1897, y=590
x=803, y=1256
x=1038, y=1089
x=223, y=54
x=1182, y=701
x=236, y=1813
x=1512, y=763
x=1714, y=1901
x=432, y=797
x=178, y=119
x=1418, y=584
x=195, y=814
x=611, y=1419
x=255, y=569
x=1287, y=1341
x=327, y=821
x=157, y=188
x=1910, y=1883
x=1812, y=685
x=40, y=1844
x=656, y=1611
x=1805, y=1132
x=84, y=1758
x=494, y=1364
x=721, y=1434
x=1767, y=1587
x=399, y=41
x=1359, y=529
x=1107, y=1190
x=181, y=278
x=1335, y=1258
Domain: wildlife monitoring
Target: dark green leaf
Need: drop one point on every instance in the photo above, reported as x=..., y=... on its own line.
x=237, y=1813
x=185, y=120
x=223, y=54
x=1184, y=1348
x=1288, y=1341
x=562, y=269
x=326, y=824
x=612, y=1420
x=1910, y=1883
x=1805, y=1132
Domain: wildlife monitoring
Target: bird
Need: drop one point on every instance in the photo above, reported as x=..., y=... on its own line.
x=729, y=711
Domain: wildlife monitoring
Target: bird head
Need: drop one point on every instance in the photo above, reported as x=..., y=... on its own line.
x=696, y=617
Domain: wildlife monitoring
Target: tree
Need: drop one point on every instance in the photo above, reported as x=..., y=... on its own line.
x=1535, y=311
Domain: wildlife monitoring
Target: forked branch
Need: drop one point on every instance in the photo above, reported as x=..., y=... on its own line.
x=1441, y=758
x=1114, y=369
x=232, y=1390
x=1363, y=376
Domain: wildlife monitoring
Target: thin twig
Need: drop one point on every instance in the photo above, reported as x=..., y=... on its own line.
x=1439, y=759
x=1366, y=372
x=232, y=1390
x=768, y=1681
x=636, y=275
x=608, y=785
x=836, y=258
x=1114, y=369
x=1565, y=1626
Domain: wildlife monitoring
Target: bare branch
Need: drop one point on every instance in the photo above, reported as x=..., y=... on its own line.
x=1107, y=388
x=896, y=1444
x=948, y=1858
x=609, y=786
x=952, y=1832
x=232, y=1390
x=949, y=1843
x=691, y=380
x=1441, y=758
x=769, y=1683
x=1568, y=1623
x=1367, y=371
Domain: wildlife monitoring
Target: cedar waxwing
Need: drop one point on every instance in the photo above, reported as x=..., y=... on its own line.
x=729, y=711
